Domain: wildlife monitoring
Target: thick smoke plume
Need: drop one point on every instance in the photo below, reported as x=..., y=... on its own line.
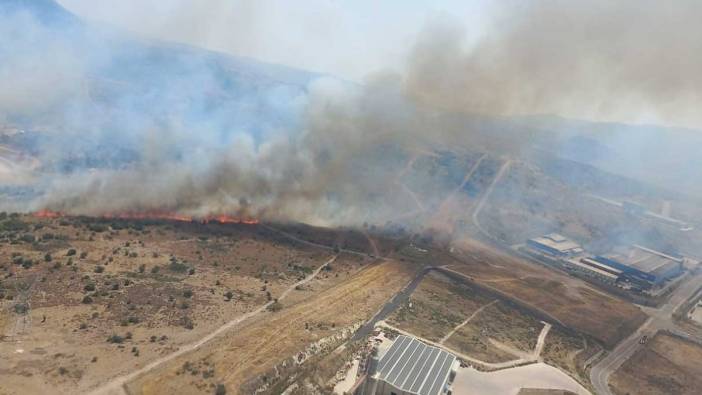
x=623, y=60
x=138, y=126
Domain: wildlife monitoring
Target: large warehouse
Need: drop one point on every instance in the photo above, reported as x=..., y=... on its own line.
x=411, y=367
x=643, y=266
x=556, y=245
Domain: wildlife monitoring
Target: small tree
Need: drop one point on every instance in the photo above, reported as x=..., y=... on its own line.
x=47, y=257
x=71, y=252
x=221, y=390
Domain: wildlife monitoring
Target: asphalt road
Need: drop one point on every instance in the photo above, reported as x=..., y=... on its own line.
x=391, y=305
x=659, y=319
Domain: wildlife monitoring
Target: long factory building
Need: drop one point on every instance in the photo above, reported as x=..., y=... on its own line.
x=637, y=265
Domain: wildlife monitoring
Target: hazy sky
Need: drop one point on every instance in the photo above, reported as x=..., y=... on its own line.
x=348, y=38
x=624, y=60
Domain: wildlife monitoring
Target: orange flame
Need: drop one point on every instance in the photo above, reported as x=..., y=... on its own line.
x=162, y=215
x=48, y=214
x=226, y=219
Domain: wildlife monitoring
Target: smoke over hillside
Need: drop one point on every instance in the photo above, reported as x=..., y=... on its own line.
x=132, y=125
x=624, y=60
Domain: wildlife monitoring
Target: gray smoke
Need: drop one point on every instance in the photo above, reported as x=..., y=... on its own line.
x=198, y=133
x=624, y=60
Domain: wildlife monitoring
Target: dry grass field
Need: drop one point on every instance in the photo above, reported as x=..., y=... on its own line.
x=436, y=307
x=571, y=301
x=83, y=300
x=569, y=352
x=664, y=366
x=251, y=351
x=440, y=307
x=495, y=327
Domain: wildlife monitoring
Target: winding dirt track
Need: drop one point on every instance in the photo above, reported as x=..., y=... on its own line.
x=116, y=385
x=256, y=346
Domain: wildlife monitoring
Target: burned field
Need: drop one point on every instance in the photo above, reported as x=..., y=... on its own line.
x=84, y=300
x=664, y=366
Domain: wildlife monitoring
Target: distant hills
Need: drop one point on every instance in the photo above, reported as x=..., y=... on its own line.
x=110, y=88
x=46, y=11
x=116, y=89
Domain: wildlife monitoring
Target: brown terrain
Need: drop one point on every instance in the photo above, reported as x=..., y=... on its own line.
x=466, y=320
x=569, y=352
x=566, y=300
x=475, y=323
x=186, y=307
x=666, y=365
x=85, y=300
x=256, y=348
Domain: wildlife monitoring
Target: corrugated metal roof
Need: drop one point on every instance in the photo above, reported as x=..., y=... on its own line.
x=564, y=245
x=594, y=269
x=415, y=367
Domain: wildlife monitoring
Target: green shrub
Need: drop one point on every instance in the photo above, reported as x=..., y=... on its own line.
x=117, y=339
x=177, y=267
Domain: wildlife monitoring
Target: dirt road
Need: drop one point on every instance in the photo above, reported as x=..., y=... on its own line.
x=257, y=346
x=467, y=320
x=486, y=196
x=115, y=386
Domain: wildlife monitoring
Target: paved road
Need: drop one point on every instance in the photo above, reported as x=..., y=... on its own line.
x=391, y=305
x=660, y=319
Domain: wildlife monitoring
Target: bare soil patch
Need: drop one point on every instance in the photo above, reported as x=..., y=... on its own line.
x=666, y=365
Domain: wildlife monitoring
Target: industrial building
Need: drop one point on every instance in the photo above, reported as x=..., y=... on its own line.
x=592, y=268
x=410, y=367
x=642, y=266
x=637, y=266
x=556, y=245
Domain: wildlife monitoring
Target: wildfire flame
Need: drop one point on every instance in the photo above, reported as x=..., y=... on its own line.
x=47, y=214
x=161, y=215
